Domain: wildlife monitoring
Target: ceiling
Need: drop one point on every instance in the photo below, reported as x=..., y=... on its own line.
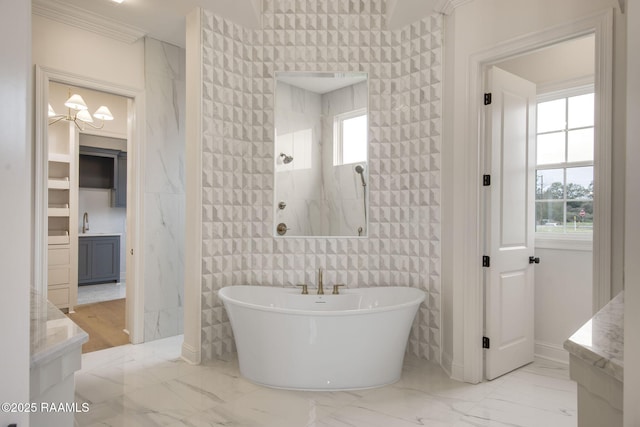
x=165, y=19
x=321, y=83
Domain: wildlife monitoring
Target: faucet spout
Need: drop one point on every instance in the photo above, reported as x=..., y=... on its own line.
x=320, y=288
x=85, y=222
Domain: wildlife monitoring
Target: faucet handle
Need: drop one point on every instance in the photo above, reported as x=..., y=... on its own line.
x=336, y=290
x=305, y=291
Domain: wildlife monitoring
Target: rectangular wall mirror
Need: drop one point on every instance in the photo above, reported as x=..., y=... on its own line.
x=321, y=152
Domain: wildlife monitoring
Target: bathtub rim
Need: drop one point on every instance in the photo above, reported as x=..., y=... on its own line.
x=327, y=313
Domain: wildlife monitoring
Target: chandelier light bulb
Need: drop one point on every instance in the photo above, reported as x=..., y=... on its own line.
x=51, y=113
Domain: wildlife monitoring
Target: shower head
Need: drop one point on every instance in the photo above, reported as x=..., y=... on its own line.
x=360, y=169
x=286, y=159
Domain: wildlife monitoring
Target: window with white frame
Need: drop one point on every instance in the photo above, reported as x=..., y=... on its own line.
x=564, y=163
x=350, y=137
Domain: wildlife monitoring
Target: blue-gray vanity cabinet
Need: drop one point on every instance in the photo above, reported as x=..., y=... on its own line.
x=98, y=259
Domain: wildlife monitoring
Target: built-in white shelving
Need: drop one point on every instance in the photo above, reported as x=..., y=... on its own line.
x=59, y=184
x=58, y=237
x=60, y=157
x=58, y=211
x=62, y=208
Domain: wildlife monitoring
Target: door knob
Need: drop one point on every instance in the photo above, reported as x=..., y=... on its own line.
x=534, y=260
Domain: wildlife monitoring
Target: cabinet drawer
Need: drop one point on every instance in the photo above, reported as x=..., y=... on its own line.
x=60, y=256
x=59, y=297
x=59, y=275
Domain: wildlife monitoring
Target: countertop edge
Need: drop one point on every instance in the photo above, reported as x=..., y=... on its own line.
x=52, y=333
x=599, y=342
x=45, y=356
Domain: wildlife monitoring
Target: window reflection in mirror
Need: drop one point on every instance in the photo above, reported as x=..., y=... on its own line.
x=320, y=154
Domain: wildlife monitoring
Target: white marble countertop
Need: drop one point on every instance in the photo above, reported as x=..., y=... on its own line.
x=98, y=234
x=600, y=341
x=52, y=333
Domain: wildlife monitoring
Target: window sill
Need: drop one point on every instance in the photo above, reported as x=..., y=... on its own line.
x=563, y=242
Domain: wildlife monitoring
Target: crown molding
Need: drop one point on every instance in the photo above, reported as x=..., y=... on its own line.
x=85, y=20
x=447, y=7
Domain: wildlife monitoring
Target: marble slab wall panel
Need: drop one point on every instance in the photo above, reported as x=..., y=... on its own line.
x=164, y=186
x=403, y=246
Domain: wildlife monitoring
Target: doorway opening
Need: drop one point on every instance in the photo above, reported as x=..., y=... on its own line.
x=87, y=199
x=526, y=314
x=600, y=25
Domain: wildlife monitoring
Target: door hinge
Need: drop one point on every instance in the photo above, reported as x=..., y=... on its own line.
x=486, y=342
x=486, y=261
x=487, y=98
x=486, y=180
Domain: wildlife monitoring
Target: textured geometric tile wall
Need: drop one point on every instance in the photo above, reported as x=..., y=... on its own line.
x=403, y=246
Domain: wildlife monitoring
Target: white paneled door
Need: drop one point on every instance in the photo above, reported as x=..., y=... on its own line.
x=510, y=223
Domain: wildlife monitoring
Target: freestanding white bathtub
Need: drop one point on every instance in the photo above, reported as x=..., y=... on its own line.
x=353, y=340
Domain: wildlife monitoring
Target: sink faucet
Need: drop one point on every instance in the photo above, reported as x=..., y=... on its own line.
x=85, y=223
x=320, y=288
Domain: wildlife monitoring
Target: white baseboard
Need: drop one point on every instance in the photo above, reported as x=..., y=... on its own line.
x=190, y=354
x=446, y=363
x=553, y=352
x=455, y=371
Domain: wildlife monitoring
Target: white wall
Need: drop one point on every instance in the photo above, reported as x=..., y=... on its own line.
x=563, y=62
x=632, y=227
x=563, y=295
x=70, y=49
x=475, y=27
x=16, y=192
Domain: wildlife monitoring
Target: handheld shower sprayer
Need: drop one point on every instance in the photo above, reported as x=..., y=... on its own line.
x=359, y=169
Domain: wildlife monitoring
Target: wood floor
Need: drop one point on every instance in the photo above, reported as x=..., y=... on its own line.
x=104, y=322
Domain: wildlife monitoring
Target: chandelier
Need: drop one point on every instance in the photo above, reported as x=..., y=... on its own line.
x=78, y=113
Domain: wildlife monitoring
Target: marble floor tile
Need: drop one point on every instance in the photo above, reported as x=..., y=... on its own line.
x=149, y=385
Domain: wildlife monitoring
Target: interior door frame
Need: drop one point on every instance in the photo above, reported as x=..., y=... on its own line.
x=472, y=316
x=135, y=148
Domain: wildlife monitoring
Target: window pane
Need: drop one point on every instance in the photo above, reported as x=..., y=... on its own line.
x=549, y=217
x=550, y=184
x=580, y=145
x=551, y=115
x=579, y=217
x=581, y=111
x=580, y=183
x=354, y=140
x=550, y=148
